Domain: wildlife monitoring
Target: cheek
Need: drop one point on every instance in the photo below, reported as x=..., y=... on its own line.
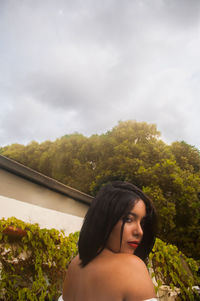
x=126, y=231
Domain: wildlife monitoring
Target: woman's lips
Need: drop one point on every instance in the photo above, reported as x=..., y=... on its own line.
x=133, y=244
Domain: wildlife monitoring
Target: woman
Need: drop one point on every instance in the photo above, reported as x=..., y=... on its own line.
x=119, y=223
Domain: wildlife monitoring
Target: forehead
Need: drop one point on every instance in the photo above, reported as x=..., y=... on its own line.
x=139, y=208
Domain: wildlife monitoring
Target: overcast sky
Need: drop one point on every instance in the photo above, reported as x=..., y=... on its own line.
x=81, y=66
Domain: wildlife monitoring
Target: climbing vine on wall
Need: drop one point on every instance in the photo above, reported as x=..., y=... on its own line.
x=33, y=260
x=171, y=267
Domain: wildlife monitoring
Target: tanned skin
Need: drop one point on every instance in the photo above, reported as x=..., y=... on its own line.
x=116, y=274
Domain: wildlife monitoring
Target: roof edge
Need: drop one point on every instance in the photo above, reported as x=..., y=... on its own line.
x=36, y=177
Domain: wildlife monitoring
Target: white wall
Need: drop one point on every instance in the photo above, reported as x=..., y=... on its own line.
x=46, y=218
x=18, y=188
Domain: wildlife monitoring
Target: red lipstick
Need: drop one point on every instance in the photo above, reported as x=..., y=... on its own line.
x=133, y=244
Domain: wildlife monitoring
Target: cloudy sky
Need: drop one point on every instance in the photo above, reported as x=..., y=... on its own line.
x=81, y=66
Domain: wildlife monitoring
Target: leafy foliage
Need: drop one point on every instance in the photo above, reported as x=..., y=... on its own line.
x=173, y=268
x=131, y=151
x=33, y=266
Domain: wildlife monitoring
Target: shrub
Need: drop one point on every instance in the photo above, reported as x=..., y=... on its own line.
x=171, y=267
x=33, y=260
x=33, y=263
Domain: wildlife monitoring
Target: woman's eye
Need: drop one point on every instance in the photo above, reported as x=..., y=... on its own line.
x=128, y=219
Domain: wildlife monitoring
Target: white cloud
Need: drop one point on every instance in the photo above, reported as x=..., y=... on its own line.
x=82, y=66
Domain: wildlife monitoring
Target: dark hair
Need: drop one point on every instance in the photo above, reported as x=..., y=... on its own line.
x=112, y=203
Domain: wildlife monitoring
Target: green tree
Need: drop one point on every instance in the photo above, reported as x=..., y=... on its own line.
x=187, y=156
x=131, y=151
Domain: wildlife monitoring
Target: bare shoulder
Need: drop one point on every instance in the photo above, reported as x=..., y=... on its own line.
x=135, y=278
x=134, y=263
x=130, y=262
x=74, y=264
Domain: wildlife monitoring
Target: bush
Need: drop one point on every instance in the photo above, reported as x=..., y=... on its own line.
x=33, y=263
x=171, y=267
x=33, y=260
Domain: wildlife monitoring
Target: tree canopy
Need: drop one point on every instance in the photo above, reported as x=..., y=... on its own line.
x=131, y=151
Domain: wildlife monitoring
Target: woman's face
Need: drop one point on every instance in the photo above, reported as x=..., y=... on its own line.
x=132, y=233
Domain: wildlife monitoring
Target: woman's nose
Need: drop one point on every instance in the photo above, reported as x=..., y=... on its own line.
x=138, y=230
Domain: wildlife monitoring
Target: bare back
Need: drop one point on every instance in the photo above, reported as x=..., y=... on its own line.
x=110, y=276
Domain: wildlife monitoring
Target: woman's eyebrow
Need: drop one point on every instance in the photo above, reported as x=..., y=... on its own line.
x=135, y=215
